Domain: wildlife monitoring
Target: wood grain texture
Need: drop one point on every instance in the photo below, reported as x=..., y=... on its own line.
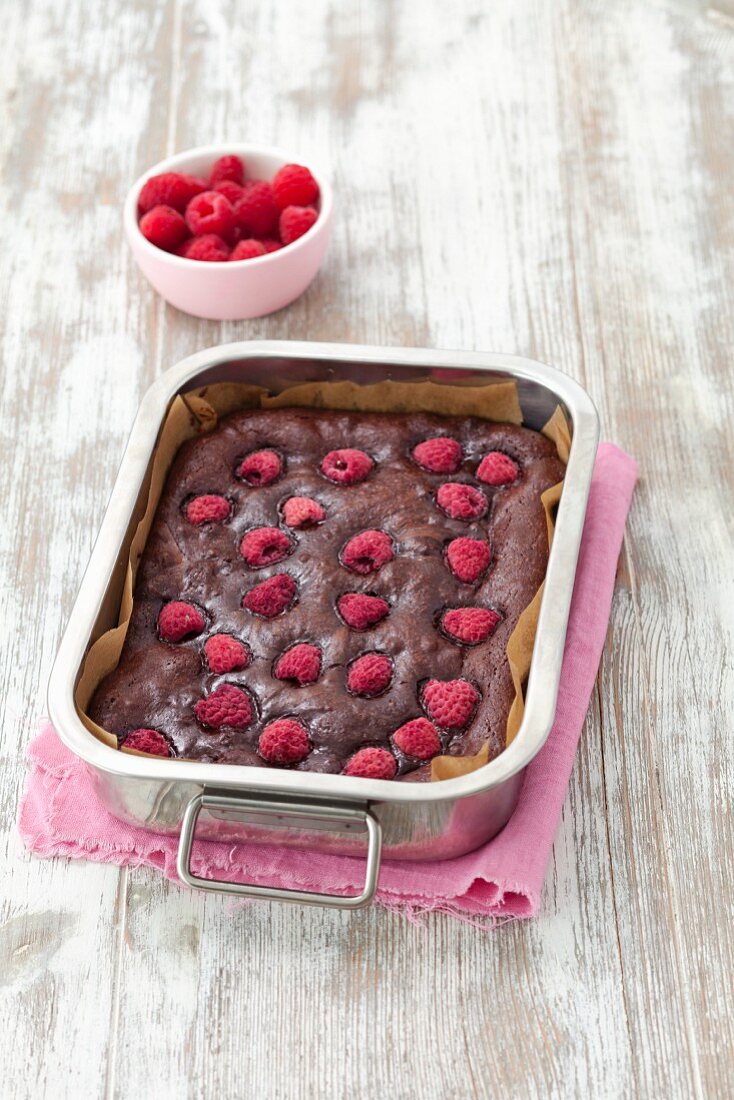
x=551, y=178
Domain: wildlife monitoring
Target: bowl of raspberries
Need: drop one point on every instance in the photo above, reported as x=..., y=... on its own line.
x=229, y=232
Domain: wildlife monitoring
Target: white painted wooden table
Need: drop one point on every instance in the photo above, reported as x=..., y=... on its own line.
x=551, y=177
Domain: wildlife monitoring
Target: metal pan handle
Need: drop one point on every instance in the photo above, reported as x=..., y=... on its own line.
x=317, y=812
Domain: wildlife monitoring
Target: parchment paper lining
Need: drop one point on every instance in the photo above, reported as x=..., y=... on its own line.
x=199, y=411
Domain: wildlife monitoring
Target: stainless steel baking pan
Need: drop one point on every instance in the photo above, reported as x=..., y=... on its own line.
x=302, y=809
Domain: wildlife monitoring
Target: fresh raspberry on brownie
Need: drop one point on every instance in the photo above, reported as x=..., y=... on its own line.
x=460, y=501
x=450, y=703
x=301, y=663
x=228, y=167
x=151, y=741
x=440, y=455
x=293, y=185
x=265, y=546
x=367, y=552
x=469, y=625
x=209, y=508
x=210, y=212
x=369, y=674
x=347, y=466
x=256, y=212
x=164, y=227
x=225, y=654
x=284, y=741
x=260, y=468
x=271, y=597
x=295, y=221
x=301, y=512
x=418, y=738
x=227, y=706
x=178, y=620
x=372, y=763
x=169, y=189
x=468, y=558
x=497, y=469
x=361, y=611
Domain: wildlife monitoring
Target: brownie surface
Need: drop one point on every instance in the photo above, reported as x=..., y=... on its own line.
x=157, y=684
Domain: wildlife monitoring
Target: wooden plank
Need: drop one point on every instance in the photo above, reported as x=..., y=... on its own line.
x=77, y=94
x=649, y=213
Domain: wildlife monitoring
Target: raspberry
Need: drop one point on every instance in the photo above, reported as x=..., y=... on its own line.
x=468, y=558
x=450, y=703
x=461, y=501
x=210, y=212
x=265, y=546
x=441, y=455
x=179, y=620
x=360, y=611
x=302, y=663
x=227, y=168
x=346, y=467
x=272, y=597
x=210, y=508
x=227, y=705
x=256, y=212
x=418, y=738
x=150, y=741
x=302, y=512
x=164, y=227
x=295, y=221
x=372, y=764
x=470, y=625
x=248, y=249
x=270, y=244
x=260, y=468
x=169, y=189
x=369, y=674
x=367, y=552
x=210, y=248
x=293, y=185
x=284, y=741
x=232, y=191
x=497, y=469
x=225, y=654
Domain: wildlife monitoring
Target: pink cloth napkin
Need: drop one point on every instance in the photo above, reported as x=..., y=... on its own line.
x=60, y=814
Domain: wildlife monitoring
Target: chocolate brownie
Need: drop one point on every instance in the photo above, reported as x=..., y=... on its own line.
x=333, y=592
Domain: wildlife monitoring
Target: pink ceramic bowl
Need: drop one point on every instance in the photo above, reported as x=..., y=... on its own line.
x=247, y=288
